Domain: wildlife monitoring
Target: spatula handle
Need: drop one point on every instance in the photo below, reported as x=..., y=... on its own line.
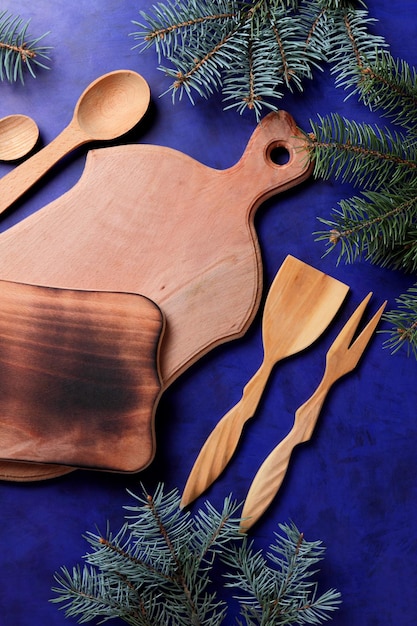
x=25, y=175
x=223, y=440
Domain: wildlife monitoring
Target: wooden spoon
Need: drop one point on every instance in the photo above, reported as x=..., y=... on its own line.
x=111, y=106
x=18, y=136
x=300, y=305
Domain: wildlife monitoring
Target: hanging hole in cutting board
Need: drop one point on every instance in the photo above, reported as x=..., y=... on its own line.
x=278, y=153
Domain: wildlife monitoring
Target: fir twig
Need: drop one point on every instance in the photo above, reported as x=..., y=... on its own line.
x=278, y=589
x=353, y=46
x=270, y=44
x=404, y=319
x=377, y=226
x=390, y=85
x=247, y=50
x=381, y=224
x=18, y=51
x=156, y=571
x=365, y=155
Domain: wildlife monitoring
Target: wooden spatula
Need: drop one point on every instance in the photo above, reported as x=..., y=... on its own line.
x=300, y=305
x=341, y=359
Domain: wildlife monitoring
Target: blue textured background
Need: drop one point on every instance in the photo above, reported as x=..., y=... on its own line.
x=354, y=485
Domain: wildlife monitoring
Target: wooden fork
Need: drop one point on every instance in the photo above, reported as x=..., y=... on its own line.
x=341, y=359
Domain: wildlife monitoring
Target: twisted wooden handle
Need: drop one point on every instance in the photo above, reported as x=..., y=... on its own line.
x=223, y=440
x=272, y=472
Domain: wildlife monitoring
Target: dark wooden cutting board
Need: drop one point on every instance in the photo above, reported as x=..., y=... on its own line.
x=150, y=220
x=79, y=380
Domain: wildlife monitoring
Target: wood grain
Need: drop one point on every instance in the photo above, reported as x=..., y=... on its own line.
x=79, y=380
x=18, y=136
x=109, y=107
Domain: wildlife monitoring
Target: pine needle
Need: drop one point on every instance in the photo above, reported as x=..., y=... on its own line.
x=155, y=571
x=19, y=52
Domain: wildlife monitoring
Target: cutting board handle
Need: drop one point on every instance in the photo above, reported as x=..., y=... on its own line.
x=276, y=157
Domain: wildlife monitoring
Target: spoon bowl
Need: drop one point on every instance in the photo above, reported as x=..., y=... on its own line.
x=110, y=106
x=18, y=136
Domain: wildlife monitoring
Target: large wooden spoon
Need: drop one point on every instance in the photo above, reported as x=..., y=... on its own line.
x=111, y=106
x=300, y=305
x=18, y=136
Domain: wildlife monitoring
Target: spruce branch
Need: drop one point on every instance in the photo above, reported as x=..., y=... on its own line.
x=246, y=50
x=380, y=225
x=365, y=155
x=390, y=85
x=271, y=44
x=278, y=588
x=200, y=69
x=353, y=46
x=404, y=319
x=156, y=570
x=18, y=51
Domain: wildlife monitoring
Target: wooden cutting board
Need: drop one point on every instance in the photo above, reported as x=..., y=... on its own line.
x=79, y=380
x=151, y=220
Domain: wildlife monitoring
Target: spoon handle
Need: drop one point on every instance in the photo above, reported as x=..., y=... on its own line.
x=223, y=440
x=25, y=175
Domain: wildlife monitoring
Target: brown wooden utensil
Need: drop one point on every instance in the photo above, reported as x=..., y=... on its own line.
x=151, y=220
x=341, y=359
x=301, y=303
x=18, y=136
x=110, y=106
x=79, y=378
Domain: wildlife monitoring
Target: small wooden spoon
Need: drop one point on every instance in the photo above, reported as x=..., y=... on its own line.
x=111, y=106
x=18, y=136
x=301, y=303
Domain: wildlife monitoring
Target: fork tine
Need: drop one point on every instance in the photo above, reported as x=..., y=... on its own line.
x=360, y=343
x=345, y=336
x=355, y=350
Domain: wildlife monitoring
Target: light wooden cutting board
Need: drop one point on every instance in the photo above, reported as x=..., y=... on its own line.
x=150, y=220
